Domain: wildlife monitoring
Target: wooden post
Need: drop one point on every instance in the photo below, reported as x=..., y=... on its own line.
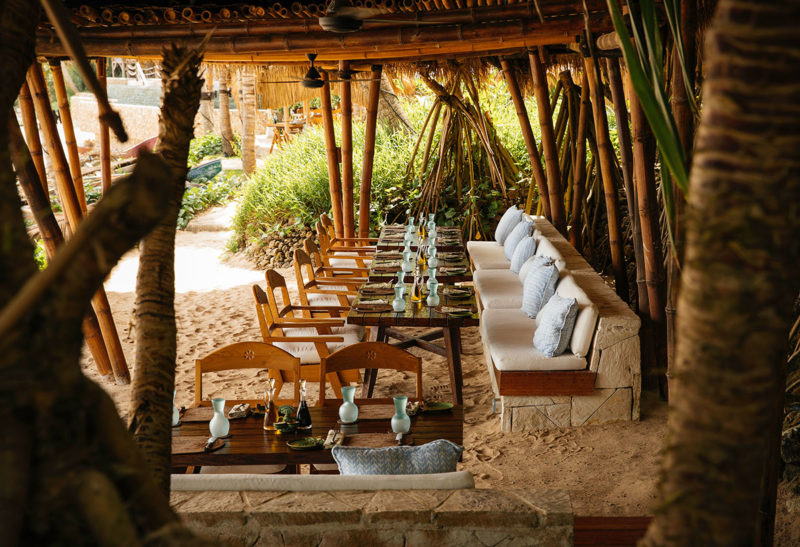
x=530, y=143
x=207, y=102
x=225, y=129
x=606, y=161
x=548, y=143
x=579, y=171
x=73, y=214
x=52, y=236
x=347, y=150
x=69, y=132
x=369, y=151
x=334, y=182
x=105, y=137
x=624, y=135
x=248, y=111
x=32, y=134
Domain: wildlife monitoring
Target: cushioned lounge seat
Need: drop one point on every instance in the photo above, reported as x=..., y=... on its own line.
x=487, y=255
x=498, y=288
x=307, y=352
x=456, y=480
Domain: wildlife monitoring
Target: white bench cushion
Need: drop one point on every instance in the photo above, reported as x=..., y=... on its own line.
x=545, y=248
x=498, y=288
x=456, y=480
x=508, y=334
x=250, y=469
x=487, y=255
x=588, y=313
x=307, y=352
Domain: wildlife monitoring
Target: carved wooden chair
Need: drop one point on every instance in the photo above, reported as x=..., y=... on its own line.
x=322, y=291
x=325, y=266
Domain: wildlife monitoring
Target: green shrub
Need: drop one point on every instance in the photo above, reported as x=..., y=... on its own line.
x=203, y=195
x=210, y=146
x=39, y=255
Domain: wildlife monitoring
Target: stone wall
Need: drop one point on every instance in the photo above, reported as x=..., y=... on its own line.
x=387, y=517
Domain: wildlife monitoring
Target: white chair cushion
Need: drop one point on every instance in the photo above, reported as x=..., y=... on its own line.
x=328, y=299
x=520, y=231
x=523, y=252
x=510, y=219
x=457, y=480
x=487, y=255
x=498, y=288
x=546, y=248
x=343, y=262
x=508, y=335
x=588, y=313
x=252, y=469
x=307, y=352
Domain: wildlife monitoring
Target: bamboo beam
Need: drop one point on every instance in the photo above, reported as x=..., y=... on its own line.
x=369, y=151
x=334, y=182
x=606, y=170
x=69, y=132
x=626, y=161
x=52, y=237
x=530, y=142
x=32, y=134
x=347, y=150
x=73, y=213
x=579, y=171
x=105, y=137
x=548, y=143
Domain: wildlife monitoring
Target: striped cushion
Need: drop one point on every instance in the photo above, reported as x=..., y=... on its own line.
x=521, y=230
x=539, y=286
x=523, y=252
x=440, y=456
x=510, y=219
x=533, y=263
x=554, y=325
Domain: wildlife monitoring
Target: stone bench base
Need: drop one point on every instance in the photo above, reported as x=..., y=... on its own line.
x=398, y=517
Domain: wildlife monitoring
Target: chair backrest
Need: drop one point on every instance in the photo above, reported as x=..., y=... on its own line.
x=266, y=321
x=277, y=283
x=279, y=364
x=304, y=273
x=370, y=355
x=312, y=250
x=326, y=220
x=324, y=238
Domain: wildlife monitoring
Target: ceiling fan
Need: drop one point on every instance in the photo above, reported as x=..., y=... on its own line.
x=313, y=78
x=342, y=18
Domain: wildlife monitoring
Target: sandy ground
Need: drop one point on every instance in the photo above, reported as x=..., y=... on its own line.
x=608, y=470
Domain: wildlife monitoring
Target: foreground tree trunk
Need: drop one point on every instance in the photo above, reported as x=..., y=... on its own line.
x=248, y=108
x=156, y=333
x=739, y=282
x=225, y=129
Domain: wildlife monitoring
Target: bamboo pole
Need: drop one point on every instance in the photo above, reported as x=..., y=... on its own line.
x=530, y=143
x=52, y=237
x=579, y=171
x=626, y=160
x=347, y=150
x=225, y=129
x=73, y=213
x=334, y=182
x=369, y=151
x=606, y=170
x=548, y=143
x=32, y=134
x=69, y=132
x=105, y=137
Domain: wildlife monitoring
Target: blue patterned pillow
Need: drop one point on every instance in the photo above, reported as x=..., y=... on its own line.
x=555, y=324
x=533, y=263
x=522, y=229
x=539, y=286
x=522, y=252
x=507, y=222
x=438, y=456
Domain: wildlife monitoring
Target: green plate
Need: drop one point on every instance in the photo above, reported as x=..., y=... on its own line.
x=437, y=406
x=306, y=443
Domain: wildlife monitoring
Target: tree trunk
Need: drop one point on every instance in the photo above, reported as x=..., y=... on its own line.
x=248, y=109
x=739, y=283
x=225, y=128
x=156, y=333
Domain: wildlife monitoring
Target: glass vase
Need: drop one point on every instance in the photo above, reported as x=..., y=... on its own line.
x=399, y=303
x=219, y=424
x=401, y=423
x=176, y=414
x=270, y=413
x=433, y=295
x=432, y=279
x=348, y=411
x=401, y=284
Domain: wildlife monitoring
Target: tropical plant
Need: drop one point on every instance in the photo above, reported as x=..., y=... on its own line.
x=204, y=194
x=210, y=146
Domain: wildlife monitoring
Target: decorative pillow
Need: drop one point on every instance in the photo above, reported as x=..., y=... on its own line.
x=555, y=324
x=522, y=252
x=509, y=219
x=533, y=263
x=439, y=456
x=539, y=286
x=522, y=229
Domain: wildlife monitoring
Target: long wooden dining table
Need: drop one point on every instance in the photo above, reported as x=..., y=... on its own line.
x=250, y=444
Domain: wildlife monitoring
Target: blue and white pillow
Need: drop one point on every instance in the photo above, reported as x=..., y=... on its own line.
x=509, y=219
x=533, y=263
x=556, y=321
x=524, y=250
x=440, y=456
x=521, y=230
x=539, y=286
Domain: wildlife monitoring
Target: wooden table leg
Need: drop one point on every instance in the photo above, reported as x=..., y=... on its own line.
x=452, y=343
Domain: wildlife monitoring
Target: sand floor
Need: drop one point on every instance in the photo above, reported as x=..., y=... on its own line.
x=608, y=469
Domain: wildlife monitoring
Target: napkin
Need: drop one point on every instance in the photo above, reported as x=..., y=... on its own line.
x=334, y=438
x=373, y=301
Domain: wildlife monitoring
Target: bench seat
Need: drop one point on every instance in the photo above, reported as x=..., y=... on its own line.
x=487, y=255
x=498, y=288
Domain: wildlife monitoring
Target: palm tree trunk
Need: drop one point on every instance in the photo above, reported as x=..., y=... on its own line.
x=225, y=128
x=248, y=120
x=156, y=333
x=207, y=104
x=739, y=283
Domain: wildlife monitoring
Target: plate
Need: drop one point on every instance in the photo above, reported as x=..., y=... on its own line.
x=306, y=443
x=437, y=406
x=372, y=308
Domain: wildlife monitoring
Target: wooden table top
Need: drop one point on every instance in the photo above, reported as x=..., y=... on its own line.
x=391, y=239
x=416, y=314
x=250, y=444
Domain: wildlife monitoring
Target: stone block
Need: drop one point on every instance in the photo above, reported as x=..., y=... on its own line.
x=479, y=508
x=553, y=506
x=541, y=417
x=506, y=417
x=191, y=502
x=616, y=408
x=394, y=506
x=584, y=406
x=223, y=530
x=295, y=508
x=533, y=400
x=618, y=363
